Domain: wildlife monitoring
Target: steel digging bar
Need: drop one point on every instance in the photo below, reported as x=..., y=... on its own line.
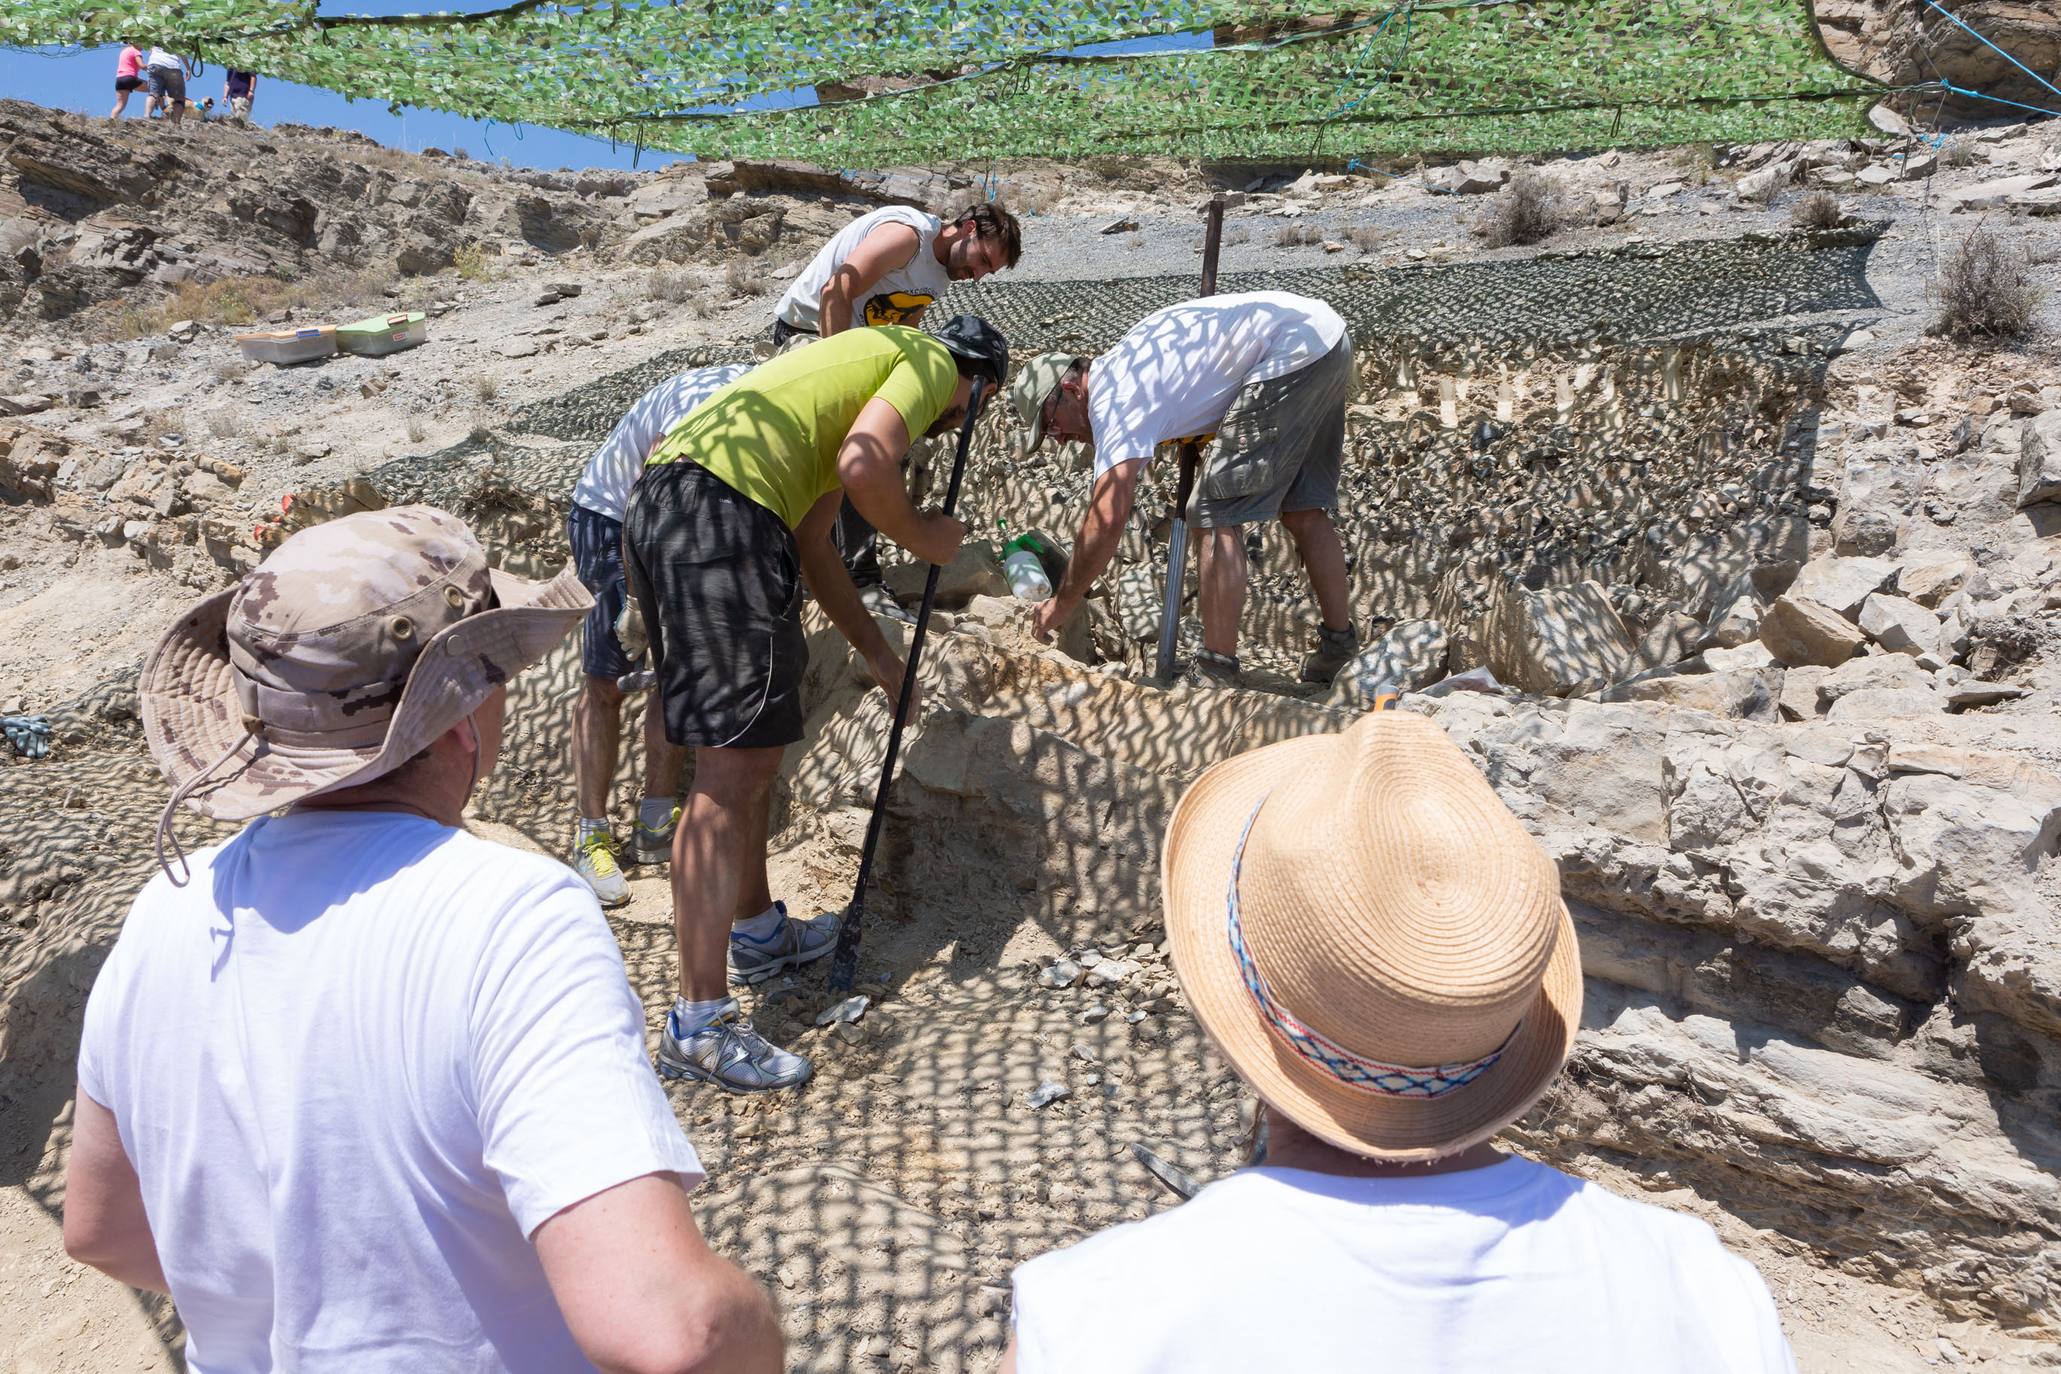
x=1191, y=458
x=844, y=963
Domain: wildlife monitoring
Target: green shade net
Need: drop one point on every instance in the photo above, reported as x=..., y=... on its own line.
x=1002, y=79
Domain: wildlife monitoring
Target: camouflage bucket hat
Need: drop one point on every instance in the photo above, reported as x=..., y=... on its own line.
x=341, y=657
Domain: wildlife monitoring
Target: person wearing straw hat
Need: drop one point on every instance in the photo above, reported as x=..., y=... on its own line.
x=355, y=1086
x=1263, y=377
x=730, y=523
x=1380, y=952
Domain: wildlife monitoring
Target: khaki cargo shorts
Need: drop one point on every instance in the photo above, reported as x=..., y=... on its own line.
x=1279, y=445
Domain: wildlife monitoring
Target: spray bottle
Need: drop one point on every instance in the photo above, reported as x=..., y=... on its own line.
x=1020, y=564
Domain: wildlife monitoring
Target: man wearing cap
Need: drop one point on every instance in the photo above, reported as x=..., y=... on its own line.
x=594, y=530
x=729, y=523
x=1379, y=951
x=888, y=267
x=356, y=1087
x=1267, y=375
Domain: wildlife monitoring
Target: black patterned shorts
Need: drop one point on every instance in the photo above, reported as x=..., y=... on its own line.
x=718, y=579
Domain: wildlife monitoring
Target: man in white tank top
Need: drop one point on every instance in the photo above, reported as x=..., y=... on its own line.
x=888, y=267
x=1381, y=954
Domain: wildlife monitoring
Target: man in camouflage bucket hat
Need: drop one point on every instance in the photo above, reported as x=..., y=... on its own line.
x=373, y=1090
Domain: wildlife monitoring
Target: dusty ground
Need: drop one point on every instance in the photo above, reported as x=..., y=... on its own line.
x=913, y=1172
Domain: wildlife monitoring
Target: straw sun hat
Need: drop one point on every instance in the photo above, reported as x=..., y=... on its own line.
x=1371, y=938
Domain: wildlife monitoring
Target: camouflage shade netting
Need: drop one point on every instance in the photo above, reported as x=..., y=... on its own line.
x=901, y=83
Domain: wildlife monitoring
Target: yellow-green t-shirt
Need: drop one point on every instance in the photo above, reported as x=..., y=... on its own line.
x=773, y=434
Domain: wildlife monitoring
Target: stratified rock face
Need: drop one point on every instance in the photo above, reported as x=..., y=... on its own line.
x=1822, y=977
x=1904, y=42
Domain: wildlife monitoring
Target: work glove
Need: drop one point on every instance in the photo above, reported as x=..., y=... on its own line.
x=30, y=735
x=629, y=630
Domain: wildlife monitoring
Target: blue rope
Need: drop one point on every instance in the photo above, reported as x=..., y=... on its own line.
x=2018, y=104
x=2001, y=53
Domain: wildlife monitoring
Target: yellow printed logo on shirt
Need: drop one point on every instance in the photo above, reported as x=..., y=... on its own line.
x=895, y=307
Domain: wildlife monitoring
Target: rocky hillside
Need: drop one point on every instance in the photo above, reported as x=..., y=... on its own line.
x=98, y=215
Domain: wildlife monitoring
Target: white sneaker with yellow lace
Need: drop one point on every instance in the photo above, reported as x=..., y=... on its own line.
x=594, y=860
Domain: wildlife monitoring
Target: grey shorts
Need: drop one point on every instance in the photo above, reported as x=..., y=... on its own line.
x=167, y=83
x=1278, y=447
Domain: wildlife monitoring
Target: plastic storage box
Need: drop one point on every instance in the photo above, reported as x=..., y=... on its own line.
x=380, y=334
x=288, y=345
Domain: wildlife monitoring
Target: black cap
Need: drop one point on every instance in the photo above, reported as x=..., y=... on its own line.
x=978, y=345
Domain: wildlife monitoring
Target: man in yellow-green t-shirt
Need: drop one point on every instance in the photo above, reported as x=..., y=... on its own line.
x=731, y=519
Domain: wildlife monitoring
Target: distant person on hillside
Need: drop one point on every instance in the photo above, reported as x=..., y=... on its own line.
x=363, y=1090
x=1263, y=378
x=888, y=267
x=1380, y=952
x=128, y=77
x=727, y=527
x=238, y=90
x=166, y=73
x=594, y=528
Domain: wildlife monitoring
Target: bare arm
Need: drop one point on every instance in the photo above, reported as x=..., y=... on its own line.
x=888, y=247
x=643, y=1293
x=1108, y=508
x=831, y=584
x=870, y=466
x=104, y=1222
x=1008, y=1365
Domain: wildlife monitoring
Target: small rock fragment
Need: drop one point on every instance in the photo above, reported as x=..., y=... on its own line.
x=1048, y=1092
x=850, y=1009
x=1063, y=973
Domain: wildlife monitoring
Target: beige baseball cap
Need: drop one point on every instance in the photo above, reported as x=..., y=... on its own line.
x=1030, y=389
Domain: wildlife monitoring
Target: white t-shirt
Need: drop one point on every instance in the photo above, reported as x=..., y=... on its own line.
x=356, y=1062
x=619, y=462
x=1511, y=1267
x=160, y=58
x=1177, y=371
x=895, y=296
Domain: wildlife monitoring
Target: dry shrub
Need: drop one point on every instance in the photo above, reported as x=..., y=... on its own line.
x=416, y=433
x=672, y=286
x=1133, y=242
x=486, y=387
x=1987, y=291
x=1365, y=237
x=743, y=279
x=247, y=300
x=223, y=424
x=1697, y=162
x=1957, y=152
x=473, y=263
x=1296, y=234
x=1528, y=210
x=1030, y=197
x=1818, y=210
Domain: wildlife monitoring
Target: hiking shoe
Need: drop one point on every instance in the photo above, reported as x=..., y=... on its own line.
x=795, y=943
x=878, y=600
x=1335, y=649
x=1214, y=669
x=730, y=1054
x=594, y=859
x=649, y=846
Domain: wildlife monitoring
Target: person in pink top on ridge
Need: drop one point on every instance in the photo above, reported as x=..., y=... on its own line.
x=128, y=75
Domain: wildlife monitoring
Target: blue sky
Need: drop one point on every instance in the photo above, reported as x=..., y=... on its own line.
x=83, y=81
